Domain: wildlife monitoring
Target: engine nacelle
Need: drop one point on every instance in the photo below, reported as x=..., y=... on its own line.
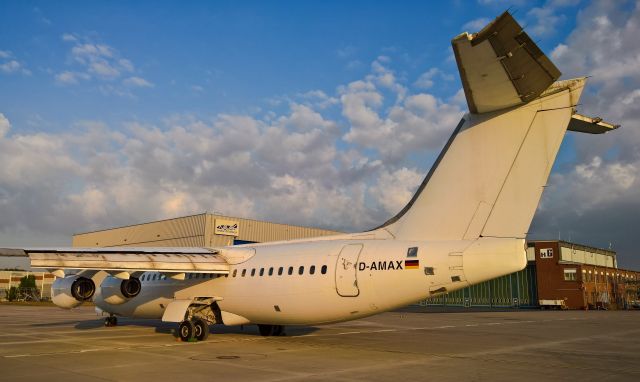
x=71, y=291
x=115, y=291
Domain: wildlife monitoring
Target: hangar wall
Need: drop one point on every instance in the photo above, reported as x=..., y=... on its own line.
x=203, y=230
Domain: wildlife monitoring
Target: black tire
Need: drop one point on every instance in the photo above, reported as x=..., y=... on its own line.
x=201, y=329
x=266, y=330
x=186, y=331
x=111, y=321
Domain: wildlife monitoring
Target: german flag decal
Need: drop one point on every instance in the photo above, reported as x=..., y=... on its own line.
x=411, y=264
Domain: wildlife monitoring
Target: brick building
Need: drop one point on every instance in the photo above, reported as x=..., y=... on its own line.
x=583, y=277
x=10, y=279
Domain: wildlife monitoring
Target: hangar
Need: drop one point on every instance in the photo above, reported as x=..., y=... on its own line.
x=202, y=230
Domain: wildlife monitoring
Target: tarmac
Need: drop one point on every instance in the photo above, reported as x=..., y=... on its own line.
x=51, y=344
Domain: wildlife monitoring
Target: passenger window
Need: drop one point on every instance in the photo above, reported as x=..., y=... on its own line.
x=235, y=272
x=271, y=271
x=244, y=272
x=323, y=270
x=154, y=277
x=312, y=269
x=301, y=270
x=253, y=272
x=290, y=270
x=261, y=271
x=280, y=271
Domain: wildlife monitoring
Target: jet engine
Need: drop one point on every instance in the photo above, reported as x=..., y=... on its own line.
x=115, y=291
x=71, y=291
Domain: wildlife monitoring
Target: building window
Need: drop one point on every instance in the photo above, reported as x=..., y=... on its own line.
x=570, y=274
x=280, y=271
x=323, y=270
x=312, y=269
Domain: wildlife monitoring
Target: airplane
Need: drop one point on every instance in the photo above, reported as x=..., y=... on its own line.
x=466, y=224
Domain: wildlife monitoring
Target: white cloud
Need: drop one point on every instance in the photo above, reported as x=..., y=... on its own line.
x=394, y=189
x=102, y=63
x=69, y=37
x=287, y=167
x=67, y=77
x=475, y=25
x=5, y=125
x=10, y=66
x=414, y=122
x=425, y=81
x=138, y=82
x=548, y=18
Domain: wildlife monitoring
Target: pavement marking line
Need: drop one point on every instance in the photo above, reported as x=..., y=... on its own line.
x=76, y=339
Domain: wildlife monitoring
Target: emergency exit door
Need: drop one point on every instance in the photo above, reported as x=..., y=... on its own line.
x=346, y=271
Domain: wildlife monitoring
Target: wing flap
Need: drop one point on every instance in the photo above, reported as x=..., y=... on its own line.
x=167, y=260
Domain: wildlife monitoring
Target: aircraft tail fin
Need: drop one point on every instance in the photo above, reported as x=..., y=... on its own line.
x=489, y=178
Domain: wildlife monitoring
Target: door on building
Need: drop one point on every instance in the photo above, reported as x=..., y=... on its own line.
x=346, y=271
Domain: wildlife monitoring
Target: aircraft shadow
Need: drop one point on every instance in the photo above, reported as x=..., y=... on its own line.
x=170, y=328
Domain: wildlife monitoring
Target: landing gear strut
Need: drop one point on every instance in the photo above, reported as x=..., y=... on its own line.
x=271, y=330
x=111, y=321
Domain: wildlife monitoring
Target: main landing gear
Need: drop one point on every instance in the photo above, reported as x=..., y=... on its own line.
x=111, y=321
x=271, y=330
x=195, y=329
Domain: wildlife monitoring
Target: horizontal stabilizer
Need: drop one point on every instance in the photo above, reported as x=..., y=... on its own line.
x=501, y=66
x=584, y=124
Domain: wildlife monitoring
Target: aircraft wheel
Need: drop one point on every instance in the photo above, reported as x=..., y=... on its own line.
x=111, y=321
x=201, y=329
x=186, y=331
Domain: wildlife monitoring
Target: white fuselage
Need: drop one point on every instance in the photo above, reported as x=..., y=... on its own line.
x=351, y=279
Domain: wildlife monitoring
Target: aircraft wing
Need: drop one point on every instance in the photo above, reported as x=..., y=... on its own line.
x=501, y=66
x=123, y=261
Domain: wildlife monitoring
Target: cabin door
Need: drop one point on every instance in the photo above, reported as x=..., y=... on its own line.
x=346, y=271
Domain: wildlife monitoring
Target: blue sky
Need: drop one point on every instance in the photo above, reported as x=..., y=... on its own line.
x=116, y=112
x=221, y=57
